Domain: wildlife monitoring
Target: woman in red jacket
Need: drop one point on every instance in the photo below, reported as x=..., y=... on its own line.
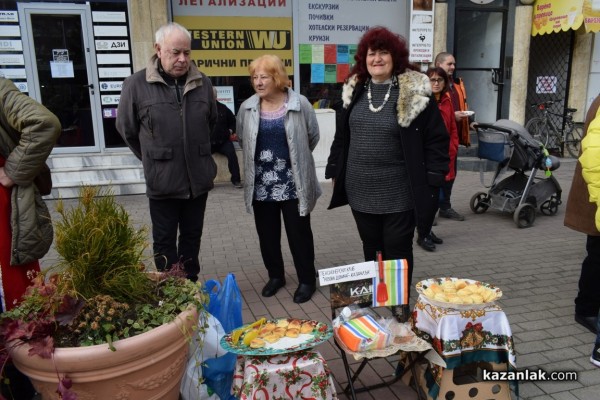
x=439, y=86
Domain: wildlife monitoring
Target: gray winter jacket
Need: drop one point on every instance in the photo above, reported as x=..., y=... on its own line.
x=172, y=140
x=302, y=131
x=28, y=132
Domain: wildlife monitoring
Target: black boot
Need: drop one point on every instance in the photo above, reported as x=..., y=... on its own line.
x=426, y=243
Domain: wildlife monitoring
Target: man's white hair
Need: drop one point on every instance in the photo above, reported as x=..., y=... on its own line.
x=169, y=28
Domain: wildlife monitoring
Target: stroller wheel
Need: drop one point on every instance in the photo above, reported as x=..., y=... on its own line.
x=524, y=215
x=549, y=207
x=480, y=202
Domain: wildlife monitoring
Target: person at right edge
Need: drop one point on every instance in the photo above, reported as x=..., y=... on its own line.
x=588, y=169
x=28, y=132
x=579, y=216
x=458, y=95
x=390, y=150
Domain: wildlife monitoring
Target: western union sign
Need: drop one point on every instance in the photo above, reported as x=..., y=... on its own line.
x=225, y=46
x=221, y=39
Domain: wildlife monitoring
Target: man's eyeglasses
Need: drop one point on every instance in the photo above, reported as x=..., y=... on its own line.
x=434, y=80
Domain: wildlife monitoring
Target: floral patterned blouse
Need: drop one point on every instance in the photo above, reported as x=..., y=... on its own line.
x=274, y=180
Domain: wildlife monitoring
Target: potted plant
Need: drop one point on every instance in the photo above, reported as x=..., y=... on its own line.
x=97, y=325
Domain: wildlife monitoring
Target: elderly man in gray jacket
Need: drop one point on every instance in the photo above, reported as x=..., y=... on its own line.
x=165, y=115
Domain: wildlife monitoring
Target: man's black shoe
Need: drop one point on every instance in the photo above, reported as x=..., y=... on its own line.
x=587, y=322
x=273, y=286
x=434, y=238
x=426, y=243
x=304, y=293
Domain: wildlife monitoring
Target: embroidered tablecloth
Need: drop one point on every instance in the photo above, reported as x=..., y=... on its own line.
x=301, y=375
x=462, y=337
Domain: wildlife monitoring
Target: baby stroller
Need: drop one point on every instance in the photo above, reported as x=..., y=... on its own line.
x=509, y=144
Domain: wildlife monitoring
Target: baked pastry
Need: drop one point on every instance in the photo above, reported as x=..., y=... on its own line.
x=270, y=326
x=257, y=343
x=271, y=338
x=292, y=333
x=460, y=292
x=306, y=327
x=282, y=323
x=294, y=324
x=279, y=331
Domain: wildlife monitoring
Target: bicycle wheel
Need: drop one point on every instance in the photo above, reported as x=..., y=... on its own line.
x=573, y=140
x=538, y=130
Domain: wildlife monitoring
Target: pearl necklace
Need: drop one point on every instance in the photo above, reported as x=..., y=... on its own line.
x=385, y=99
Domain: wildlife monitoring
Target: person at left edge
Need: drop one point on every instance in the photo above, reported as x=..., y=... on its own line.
x=278, y=130
x=166, y=114
x=28, y=132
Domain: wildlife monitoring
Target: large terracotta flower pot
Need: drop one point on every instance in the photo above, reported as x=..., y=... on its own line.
x=148, y=366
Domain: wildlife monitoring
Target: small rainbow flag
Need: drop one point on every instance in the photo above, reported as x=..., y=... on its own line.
x=396, y=280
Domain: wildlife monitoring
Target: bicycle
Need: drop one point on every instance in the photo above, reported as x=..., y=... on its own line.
x=545, y=130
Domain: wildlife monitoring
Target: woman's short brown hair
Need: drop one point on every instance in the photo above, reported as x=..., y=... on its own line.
x=274, y=67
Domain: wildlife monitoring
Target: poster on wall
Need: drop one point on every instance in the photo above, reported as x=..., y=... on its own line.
x=546, y=84
x=591, y=15
x=555, y=16
x=225, y=96
x=421, y=31
x=226, y=38
x=328, y=32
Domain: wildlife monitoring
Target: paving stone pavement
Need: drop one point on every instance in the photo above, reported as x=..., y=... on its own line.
x=536, y=268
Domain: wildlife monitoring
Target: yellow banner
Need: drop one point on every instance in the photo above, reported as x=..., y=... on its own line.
x=225, y=46
x=591, y=15
x=557, y=15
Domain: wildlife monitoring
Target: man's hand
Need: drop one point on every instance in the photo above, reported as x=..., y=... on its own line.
x=233, y=137
x=459, y=116
x=4, y=179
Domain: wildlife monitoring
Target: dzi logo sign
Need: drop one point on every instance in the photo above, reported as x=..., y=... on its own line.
x=240, y=40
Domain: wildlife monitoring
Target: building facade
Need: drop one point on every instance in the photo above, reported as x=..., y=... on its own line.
x=73, y=57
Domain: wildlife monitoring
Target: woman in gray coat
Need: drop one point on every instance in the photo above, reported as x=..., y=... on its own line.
x=277, y=129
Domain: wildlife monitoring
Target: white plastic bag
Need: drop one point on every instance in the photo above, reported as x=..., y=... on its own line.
x=205, y=344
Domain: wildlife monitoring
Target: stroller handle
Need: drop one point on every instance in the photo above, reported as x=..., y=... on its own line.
x=495, y=127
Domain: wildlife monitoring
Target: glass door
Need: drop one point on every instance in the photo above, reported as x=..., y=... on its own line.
x=479, y=51
x=60, y=63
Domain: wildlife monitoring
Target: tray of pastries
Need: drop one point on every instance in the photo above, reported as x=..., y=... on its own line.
x=458, y=293
x=278, y=336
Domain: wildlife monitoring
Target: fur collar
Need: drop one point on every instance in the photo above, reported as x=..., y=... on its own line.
x=415, y=92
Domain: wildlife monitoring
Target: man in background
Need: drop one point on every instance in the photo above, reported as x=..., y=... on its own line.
x=458, y=94
x=166, y=114
x=222, y=138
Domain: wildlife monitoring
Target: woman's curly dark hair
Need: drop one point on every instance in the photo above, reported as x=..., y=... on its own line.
x=381, y=38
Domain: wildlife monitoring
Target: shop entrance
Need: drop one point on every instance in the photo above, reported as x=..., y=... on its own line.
x=479, y=49
x=60, y=63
